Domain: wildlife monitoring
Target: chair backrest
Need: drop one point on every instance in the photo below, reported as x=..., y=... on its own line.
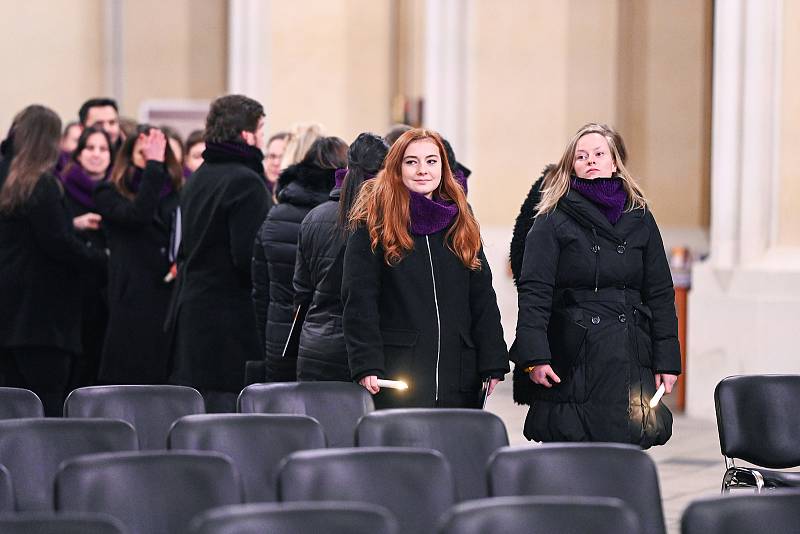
x=150, y=492
x=16, y=403
x=414, y=484
x=150, y=409
x=772, y=511
x=32, y=450
x=466, y=438
x=60, y=523
x=336, y=405
x=291, y=518
x=758, y=419
x=257, y=443
x=6, y=490
x=582, y=469
x=541, y=515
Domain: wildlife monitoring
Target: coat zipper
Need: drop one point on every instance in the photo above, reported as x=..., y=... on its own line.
x=438, y=320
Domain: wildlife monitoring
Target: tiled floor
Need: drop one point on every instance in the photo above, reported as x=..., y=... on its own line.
x=690, y=465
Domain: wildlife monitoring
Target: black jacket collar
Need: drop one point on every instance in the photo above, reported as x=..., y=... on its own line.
x=589, y=216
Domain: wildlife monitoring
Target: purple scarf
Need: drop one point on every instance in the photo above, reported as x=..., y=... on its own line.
x=79, y=185
x=134, y=182
x=606, y=193
x=429, y=216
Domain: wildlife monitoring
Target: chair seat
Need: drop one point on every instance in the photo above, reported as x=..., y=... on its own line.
x=780, y=479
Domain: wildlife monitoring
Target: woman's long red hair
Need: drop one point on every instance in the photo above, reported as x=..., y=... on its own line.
x=383, y=206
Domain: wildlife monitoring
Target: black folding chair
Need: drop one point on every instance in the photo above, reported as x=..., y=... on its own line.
x=60, y=523
x=257, y=443
x=150, y=409
x=6, y=490
x=768, y=512
x=466, y=438
x=541, y=515
x=32, y=450
x=582, y=469
x=16, y=403
x=758, y=422
x=336, y=405
x=290, y=518
x=414, y=484
x=149, y=492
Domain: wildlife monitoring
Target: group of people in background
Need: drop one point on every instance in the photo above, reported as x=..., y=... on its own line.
x=131, y=256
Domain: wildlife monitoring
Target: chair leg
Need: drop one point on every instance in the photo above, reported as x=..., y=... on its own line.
x=759, y=481
x=727, y=480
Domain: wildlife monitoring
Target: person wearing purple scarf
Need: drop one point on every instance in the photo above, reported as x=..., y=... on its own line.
x=138, y=205
x=418, y=302
x=597, y=332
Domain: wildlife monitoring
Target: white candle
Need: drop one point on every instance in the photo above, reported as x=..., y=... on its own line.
x=392, y=384
x=657, y=396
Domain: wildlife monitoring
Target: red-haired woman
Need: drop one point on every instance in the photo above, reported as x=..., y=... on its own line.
x=417, y=290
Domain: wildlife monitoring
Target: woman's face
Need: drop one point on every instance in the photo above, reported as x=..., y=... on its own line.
x=194, y=158
x=138, y=158
x=272, y=162
x=95, y=156
x=593, y=157
x=422, y=167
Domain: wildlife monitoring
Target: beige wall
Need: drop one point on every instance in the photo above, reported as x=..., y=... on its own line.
x=329, y=62
x=789, y=205
x=173, y=50
x=52, y=55
x=629, y=63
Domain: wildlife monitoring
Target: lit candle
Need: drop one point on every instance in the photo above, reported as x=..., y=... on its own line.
x=657, y=396
x=392, y=384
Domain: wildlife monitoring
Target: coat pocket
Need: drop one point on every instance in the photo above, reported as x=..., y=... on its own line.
x=398, y=352
x=644, y=343
x=566, y=338
x=469, y=380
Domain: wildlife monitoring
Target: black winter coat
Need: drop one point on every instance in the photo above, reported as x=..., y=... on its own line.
x=136, y=349
x=41, y=261
x=301, y=188
x=322, y=354
x=212, y=316
x=523, y=224
x=427, y=320
x=596, y=301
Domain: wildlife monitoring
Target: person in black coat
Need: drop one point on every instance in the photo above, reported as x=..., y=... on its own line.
x=417, y=290
x=211, y=318
x=597, y=329
x=41, y=262
x=300, y=188
x=322, y=353
x=137, y=206
x=89, y=165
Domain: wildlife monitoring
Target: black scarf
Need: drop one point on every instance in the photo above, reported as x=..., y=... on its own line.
x=233, y=152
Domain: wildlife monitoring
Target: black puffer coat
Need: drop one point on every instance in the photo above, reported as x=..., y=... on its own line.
x=136, y=348
x=605, y=343
x=318, y=283
x=523, y=224
x=427, y=320
x=301, y=187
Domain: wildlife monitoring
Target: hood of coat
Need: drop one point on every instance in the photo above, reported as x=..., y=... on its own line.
x=305, y=184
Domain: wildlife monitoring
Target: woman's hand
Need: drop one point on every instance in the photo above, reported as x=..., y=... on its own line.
x=667, y=380
x=370, y=383
x=544, y=375
x=154, y=145
x=87, y=221
x=492, y=383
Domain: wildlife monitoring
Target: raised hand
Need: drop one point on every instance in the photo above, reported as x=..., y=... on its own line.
x=154, y=145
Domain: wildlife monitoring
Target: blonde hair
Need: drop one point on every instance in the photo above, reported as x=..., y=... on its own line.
x=556, y=183
x=301, y=137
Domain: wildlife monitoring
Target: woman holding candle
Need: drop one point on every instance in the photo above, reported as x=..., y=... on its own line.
x=597, y=330
x=417, y=290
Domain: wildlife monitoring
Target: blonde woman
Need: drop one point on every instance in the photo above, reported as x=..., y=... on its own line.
x=597, y=330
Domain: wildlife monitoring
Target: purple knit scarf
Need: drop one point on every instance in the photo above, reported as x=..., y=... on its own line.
x=79, y=185
x=606, y=193
x=134, y=182
x=429, y=216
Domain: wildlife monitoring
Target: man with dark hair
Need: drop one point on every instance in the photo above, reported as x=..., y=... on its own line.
x=102, y=112
x=223, y=205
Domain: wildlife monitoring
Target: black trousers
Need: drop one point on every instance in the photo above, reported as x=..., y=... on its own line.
x=43, y=370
